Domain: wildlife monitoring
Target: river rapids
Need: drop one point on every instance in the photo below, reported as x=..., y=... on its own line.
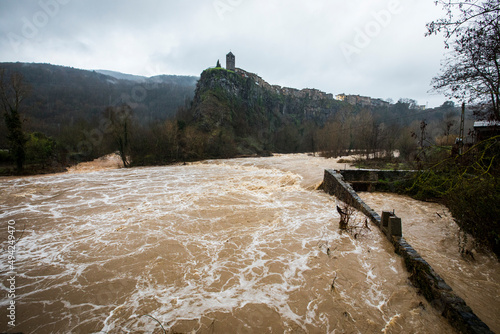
x=223, y=246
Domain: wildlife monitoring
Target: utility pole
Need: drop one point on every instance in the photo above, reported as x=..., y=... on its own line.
x=461, y=135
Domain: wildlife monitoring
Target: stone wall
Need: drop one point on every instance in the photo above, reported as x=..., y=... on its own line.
x=375, y=180
x=334, y=184
x=437, y=292
x=374, y=174
x=429, y=283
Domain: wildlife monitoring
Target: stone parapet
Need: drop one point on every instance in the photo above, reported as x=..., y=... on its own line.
x=334, y=184
x=439, y=294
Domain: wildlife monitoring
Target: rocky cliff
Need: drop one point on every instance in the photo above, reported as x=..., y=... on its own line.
x=246, y=106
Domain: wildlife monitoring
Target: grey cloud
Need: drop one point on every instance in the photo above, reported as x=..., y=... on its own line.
x=293, y=43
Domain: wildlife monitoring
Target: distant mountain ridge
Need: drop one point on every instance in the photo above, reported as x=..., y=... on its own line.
x=123, y=76
x=181, y=80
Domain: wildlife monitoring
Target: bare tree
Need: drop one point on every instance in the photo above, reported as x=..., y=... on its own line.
x=471, y=71
x=12, y=94
x=460, y=15
x=120, y=121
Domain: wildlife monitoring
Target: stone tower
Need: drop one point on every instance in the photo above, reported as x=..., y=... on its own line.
x=230, y=62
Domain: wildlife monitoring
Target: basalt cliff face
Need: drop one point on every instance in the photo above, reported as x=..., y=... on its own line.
x=241, y=89
x=249, y=108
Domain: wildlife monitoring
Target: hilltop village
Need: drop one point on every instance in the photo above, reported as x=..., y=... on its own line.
x=315, y=94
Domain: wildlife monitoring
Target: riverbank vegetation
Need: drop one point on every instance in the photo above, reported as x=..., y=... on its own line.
x=469, y=185
x=468, y=182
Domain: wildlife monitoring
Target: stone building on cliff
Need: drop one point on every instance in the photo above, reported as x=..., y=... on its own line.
x=230, y=62
x=313, y=94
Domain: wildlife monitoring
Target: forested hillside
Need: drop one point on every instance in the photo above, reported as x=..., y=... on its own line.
x=60, y=96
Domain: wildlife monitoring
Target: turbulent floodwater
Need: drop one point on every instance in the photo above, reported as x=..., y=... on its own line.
x=238, y=246
x=430, y=229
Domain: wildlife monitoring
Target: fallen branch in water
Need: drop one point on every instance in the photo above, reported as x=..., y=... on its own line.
x=332, y=286
x=348, y=221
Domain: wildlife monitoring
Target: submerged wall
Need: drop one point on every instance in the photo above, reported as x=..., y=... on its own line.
x=429, y=283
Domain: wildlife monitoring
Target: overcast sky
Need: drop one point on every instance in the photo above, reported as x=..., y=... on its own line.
x=373, y=48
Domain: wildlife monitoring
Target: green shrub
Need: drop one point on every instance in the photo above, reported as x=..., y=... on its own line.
x=475, y=206
x=39, y=148
x=5, y=156
x=469, y=185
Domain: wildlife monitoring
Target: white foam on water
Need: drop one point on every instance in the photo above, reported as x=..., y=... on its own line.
x=181, y=242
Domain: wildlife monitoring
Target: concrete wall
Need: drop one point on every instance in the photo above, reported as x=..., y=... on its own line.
x=429, y=283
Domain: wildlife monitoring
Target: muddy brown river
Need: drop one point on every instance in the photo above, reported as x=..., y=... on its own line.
x=431, y=230
x=226, y=246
